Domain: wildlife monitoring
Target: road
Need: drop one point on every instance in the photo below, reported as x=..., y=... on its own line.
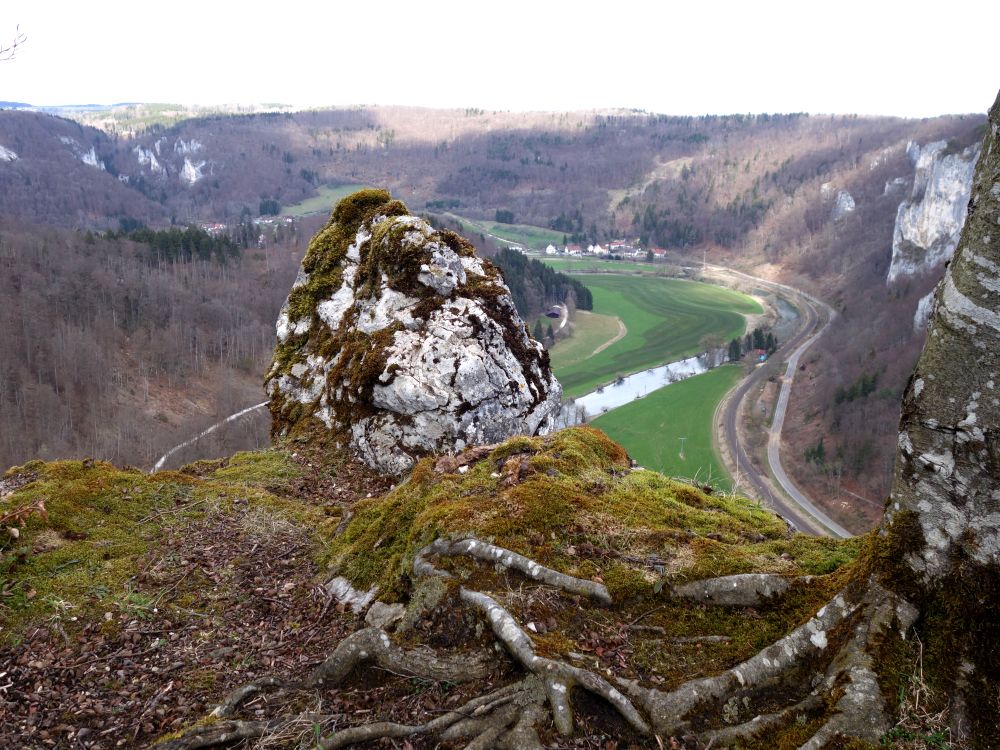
x=207, y=431
x=789, y=501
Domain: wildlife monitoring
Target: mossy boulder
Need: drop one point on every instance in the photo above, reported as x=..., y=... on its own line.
x=398, y=340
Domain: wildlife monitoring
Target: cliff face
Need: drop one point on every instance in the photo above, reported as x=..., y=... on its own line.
x=928, y=224
x=400, y=340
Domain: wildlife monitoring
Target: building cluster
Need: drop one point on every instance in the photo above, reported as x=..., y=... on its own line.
x=216, y=228
x=613, y=249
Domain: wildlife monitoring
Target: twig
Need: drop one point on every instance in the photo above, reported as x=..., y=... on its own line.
x=644, y=615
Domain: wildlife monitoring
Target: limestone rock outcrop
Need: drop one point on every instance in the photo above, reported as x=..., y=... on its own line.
x=397, y=339
x=929, y=223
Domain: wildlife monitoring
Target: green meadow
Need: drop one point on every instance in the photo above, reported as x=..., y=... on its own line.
x=323, y=203
x=536, y=238
x=651, y=428
x=667, y=319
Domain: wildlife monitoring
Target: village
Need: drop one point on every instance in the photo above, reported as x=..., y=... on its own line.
x=615, y=249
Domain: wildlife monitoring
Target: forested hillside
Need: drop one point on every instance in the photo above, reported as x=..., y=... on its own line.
x=534, y=286
x=112, y=350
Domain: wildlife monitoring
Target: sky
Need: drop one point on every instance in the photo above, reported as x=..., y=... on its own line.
x=876, y=57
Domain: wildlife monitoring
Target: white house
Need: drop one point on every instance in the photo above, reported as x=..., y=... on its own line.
x=551, y=250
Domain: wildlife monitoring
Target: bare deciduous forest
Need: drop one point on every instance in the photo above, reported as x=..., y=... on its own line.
x=109, y=352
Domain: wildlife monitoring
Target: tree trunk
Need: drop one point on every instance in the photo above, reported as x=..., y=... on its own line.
x=941, y=529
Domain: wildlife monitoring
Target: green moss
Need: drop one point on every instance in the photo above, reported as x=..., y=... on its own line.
x=100, y=521
x=81, y=556
x=578, y=490
x=268, y=467
x=388, y=254
x=625, y=583
x=30, y=467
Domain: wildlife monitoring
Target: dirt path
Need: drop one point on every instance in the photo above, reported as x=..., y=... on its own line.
x=622, y=333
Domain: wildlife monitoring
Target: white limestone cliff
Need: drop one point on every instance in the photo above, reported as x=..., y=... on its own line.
x=930, y=221
x=843, y=205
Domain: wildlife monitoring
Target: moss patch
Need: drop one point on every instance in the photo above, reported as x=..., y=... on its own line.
x=578, y=493
x=80, y=558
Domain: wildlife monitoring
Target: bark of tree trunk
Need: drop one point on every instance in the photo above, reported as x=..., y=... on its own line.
x=941, y=531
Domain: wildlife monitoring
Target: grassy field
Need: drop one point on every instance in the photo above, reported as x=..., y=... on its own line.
x=666, y=319
x=569, y=265
x=536, y=238
x=322, y=203
x=590, y=331
x=650, y=428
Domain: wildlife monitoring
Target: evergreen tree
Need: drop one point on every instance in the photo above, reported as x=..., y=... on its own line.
x=735, y=350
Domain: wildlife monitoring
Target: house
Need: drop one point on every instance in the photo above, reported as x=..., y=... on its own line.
x=598, y=250
x=551, y=250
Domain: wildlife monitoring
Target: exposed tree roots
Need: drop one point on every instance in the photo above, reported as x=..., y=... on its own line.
x=823, y=669
x=865, y=612
x=743, y=590
x=487, y=552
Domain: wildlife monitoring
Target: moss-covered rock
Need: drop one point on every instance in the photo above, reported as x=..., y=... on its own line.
x=398, y=340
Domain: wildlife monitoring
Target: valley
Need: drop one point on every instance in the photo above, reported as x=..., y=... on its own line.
x=412, y=422
x=671, y=429
x=665, y=320
x=809, y=201
x=641, y=321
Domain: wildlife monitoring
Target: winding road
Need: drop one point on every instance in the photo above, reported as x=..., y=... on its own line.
x=789, y=501
x=207, y=431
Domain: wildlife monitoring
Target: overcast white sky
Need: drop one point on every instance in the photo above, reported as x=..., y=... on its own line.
x=688, y=57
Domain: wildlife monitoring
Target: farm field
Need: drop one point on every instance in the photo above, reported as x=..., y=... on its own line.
x=536, y=238
x=651, y=428
x=590, y=331
x=322, y=203
x=667, y=319
x=569, y=265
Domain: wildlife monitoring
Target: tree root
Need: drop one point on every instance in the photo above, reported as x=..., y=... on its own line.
x=762, y=723
x=827, y=662
x=374, y=645
x=558, y=677
x=222, y=733
x=475, y=548
x=743, y=590
x=362, y=647
x=236, y=697
x=504, y=718
x=858, y=713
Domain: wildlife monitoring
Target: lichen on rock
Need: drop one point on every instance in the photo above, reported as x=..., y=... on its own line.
x=398, y=340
